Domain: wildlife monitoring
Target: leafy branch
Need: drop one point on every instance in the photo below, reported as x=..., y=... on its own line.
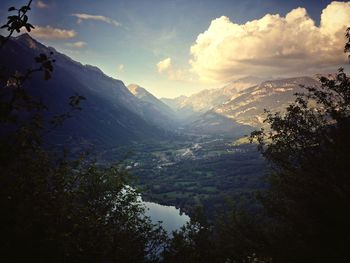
x=17, y=21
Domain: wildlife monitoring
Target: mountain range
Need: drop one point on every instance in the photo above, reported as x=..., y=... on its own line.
x=114, y=114
x=111, y=114
x=239, y=104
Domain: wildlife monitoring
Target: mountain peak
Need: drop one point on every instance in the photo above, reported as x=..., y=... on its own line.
x=138, y=91
x=24, y=36
x=27, y=40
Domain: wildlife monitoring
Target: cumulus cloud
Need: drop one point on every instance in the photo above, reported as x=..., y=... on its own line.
x=79, y=44
x=105, y=19
x=41, y=4
x=50, y=33
x=271, y=45
x=164, y=65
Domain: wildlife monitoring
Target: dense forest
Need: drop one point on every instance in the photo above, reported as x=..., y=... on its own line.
x=64, y=206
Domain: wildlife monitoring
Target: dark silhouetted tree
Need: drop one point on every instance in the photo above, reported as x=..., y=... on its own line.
x=54, y=207
x=308, y=147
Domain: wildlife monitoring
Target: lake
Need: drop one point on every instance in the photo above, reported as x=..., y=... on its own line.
x=170, y=216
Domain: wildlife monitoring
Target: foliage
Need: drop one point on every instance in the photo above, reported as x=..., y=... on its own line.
x=17, y=21
x=192, y=243
x=55, y=207
x=308, y=199
x=233, y=238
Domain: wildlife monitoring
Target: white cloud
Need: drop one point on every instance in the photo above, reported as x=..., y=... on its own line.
x=271, y=45
x=105, y=19
x=49, y=33
x=41, y=4
x=164, y=65
x=79, y=44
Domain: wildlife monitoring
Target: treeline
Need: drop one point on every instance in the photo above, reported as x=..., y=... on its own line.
x=62, y=208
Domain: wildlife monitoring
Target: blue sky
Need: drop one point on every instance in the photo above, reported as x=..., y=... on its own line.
x=127, y=39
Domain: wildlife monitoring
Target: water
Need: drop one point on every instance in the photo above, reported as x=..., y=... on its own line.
x=170, y=216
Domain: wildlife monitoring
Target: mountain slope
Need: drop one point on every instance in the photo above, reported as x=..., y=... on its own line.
x=193, y=106
x=111, y=115
x=247, y=107
x=175, y=102
x=212, y=123
x=161, y=113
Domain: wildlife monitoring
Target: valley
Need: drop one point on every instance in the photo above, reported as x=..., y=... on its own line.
x=196, y=171
x=184, y=151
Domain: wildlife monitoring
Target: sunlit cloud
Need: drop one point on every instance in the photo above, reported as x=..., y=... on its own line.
x=164, y=65
x=271, y=45
x=178, y=75
x=77, y=45
x=41, y=4
x=101, y=18
x=50, y=33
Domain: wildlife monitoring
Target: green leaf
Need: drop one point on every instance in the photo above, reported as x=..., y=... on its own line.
x=12, y=8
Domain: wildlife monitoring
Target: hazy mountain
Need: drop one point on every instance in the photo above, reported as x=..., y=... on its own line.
x=205, y=100
x=212, y=123
x=175, y=102
x=245, y=82
x=247, y=106
x=111, y=114
x=160, y=113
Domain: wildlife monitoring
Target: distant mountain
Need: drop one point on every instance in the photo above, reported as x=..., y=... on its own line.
x=160, y=113
x=212, y=123
x=111, y=115
x=175, y=102
x=247, y=106
x=205, y=100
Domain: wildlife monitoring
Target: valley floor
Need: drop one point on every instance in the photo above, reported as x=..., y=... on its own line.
x=201, y=170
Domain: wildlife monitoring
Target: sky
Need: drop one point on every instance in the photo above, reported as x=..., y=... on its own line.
x=179, y=47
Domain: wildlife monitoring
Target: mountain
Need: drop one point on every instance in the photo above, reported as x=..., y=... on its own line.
x=244, y=110
x=247, y=106
x=205, y=100
x=175, y=102
x=161, y=113
x=212, y=123
x=111, y=115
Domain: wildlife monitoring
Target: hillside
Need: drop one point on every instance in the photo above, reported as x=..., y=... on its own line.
x=247, y=107
x=111, y=115
x=161, y=113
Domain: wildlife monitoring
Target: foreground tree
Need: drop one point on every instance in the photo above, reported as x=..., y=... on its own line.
x=192, y=243
x=55, y=207
x=308, y=202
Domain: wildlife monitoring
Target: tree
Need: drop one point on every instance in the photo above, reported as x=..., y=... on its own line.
x=56, y=207
x=192, y=243
x=308, y=148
